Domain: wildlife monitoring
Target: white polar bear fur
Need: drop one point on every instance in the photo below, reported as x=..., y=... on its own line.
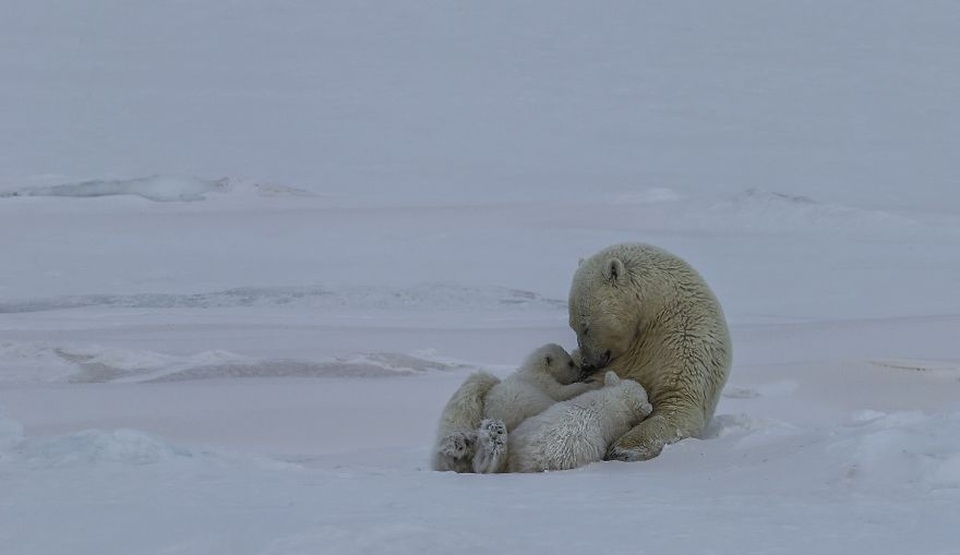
x=548, y=375
x=454, y=447
x=649, y=316
x=576, y=432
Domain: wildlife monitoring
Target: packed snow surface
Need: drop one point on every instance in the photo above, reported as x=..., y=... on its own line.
x=250, y=250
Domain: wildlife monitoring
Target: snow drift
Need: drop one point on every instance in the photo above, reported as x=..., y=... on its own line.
x=160, y=188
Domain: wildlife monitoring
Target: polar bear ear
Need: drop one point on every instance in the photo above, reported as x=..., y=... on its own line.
x=613, y=270
x=611, y=378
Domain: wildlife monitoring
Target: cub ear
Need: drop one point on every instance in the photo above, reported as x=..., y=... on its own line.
x=613, y=270
x=611, y=378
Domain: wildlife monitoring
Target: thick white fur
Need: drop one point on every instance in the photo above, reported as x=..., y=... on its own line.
x=647, y=315
x=455, y=445
x=548, y=375
x=576, y=432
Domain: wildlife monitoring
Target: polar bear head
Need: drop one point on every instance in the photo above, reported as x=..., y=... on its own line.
x=555, y=361
x=605, y=307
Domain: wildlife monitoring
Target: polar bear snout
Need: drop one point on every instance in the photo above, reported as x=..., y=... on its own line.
x=593, y=366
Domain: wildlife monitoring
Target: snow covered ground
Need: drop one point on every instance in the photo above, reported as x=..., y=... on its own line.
x=250, y=249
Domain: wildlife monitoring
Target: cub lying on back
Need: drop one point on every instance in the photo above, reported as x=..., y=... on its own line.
x=568, y=434
x=548, y=375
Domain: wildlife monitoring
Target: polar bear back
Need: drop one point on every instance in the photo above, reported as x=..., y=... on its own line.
x=561, y=438
x=544, y=378
x=514, y=400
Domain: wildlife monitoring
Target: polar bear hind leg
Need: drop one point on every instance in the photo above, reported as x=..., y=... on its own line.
x=455, y=451
x=491, y=455
x=456, y=431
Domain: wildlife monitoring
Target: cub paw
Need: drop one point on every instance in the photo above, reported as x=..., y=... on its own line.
x=455, y=452
x=458, y=445
x=491, y=447
x=492, y=432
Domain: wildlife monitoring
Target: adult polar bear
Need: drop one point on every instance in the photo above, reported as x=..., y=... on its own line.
x=648, y=316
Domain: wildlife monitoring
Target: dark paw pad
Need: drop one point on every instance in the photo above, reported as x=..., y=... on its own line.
x=458, y=445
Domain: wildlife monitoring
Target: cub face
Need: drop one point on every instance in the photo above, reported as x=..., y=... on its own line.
x=557, y=362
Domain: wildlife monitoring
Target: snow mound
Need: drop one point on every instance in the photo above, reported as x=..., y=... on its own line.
x=425, y=296
x=32, y=362
x=886, y=453
x=160, y=188
x=374, y=365
x=93, y=447
x=757, y=210
x=95, y=364
x=120, y=447
x=743, y=426
x=906, y=448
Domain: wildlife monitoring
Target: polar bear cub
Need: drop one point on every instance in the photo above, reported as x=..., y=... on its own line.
x=546, y=376
x=577, y=432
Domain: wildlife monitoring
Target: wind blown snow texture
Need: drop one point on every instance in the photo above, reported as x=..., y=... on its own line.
x=158, y=188
x=255, y=364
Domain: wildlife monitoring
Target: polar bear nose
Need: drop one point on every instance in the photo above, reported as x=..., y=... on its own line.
x=601, y=362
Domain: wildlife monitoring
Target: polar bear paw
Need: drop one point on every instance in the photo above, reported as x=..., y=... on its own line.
x=491, y=455
x=458, y=445
x=642, y=452
x=456, y=451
